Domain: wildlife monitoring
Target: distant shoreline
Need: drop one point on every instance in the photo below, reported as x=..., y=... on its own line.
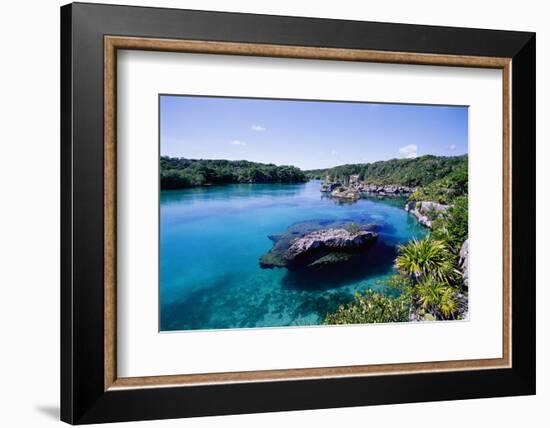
x=208, y=186
x=183, y=173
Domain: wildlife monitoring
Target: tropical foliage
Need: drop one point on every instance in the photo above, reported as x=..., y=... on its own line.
x=419, y=171
x=179, y=173
x=444, y=190
x=371, y=307
x=419, y=259
x=437, y=280
x=436, y=298
x=452, y=226
x=429, y=283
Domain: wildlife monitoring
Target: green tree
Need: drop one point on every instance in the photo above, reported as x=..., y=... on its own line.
x=420, y=171
x=179, y=173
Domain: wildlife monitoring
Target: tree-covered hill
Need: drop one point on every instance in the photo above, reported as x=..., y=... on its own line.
x=180, y=173
x=419, y=171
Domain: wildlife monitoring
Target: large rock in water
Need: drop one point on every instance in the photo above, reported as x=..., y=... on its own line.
x=316, y=245
x=349, y=193
x=328, y=239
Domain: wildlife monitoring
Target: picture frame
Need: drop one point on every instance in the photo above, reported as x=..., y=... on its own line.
x=91, y=391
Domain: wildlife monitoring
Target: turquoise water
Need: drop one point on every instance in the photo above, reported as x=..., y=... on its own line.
x=211, y=239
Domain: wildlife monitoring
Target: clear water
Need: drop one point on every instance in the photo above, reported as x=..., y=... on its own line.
x=211, y=239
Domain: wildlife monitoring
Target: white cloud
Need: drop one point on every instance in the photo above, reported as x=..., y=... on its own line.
x=333, y=152
x=452, y=147
x=238, y=143
x=257, y=128
x=408, y=151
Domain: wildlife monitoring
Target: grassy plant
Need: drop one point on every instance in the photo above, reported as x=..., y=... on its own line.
x=436, y=298
x=421, y=258
x=449, y=303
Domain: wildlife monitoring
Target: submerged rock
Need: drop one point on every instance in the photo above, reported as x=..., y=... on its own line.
x=318, y=243
x=331, y=259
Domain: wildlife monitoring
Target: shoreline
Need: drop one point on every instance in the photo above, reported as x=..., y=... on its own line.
x=229, y=184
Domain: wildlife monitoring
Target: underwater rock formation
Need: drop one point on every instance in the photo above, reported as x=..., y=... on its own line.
x=318, y=243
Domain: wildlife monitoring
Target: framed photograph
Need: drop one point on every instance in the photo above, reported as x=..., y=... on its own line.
x=266, y=213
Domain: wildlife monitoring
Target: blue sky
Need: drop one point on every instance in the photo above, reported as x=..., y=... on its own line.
x=307, y=134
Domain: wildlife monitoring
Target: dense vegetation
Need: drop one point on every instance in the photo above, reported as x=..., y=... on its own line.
x=419, y=171
x=429, y=283
x=372, y=307
x=447, y=188
x=452, y=226
x=180, y=173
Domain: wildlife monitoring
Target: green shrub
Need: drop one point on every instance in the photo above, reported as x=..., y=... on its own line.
x=371, y=307
x=432, y=213
x=452, y=227
x=396, y=284
x=445, y=189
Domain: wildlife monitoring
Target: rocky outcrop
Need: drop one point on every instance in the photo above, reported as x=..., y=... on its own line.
x=463, y=260
x=354, y=189
x=348, y=193
x=426, y=211
x=318, y=244
x=388, y=190
x=328, y=239
x=462, y=311
x=329, y=187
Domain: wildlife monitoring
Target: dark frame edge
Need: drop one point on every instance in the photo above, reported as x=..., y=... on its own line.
x=66, y=130
x=524, y=219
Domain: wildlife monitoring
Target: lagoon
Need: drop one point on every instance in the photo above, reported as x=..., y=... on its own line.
x=211, y=239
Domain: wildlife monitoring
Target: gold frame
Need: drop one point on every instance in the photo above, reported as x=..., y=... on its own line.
x=113, y=43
